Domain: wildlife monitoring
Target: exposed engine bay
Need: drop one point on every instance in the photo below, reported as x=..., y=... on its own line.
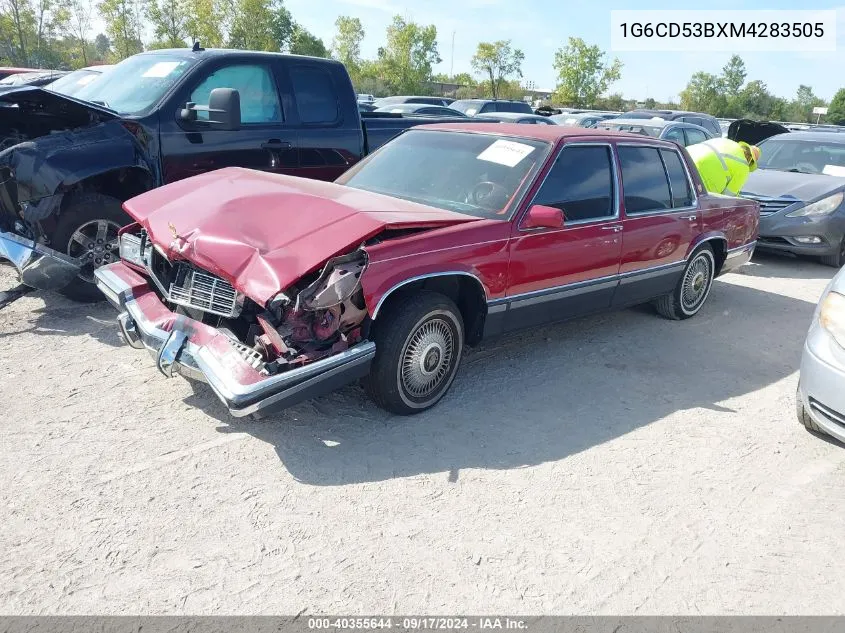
x=320, y=316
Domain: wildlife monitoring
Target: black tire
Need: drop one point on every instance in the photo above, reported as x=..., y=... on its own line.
x=837, y=259
x=700, y=269
x=804, y=417
x=82, y=215
x=397, y=335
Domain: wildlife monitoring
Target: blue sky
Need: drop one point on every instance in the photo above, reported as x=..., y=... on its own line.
x=539, y=28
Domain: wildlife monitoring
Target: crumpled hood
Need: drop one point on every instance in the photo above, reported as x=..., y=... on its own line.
x=32, y=98
x=804, y=187
x=262, y=232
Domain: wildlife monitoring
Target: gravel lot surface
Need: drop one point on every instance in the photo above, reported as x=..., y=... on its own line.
x=617, y=465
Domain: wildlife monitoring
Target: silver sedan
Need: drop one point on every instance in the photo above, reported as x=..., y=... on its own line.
x=821, y=388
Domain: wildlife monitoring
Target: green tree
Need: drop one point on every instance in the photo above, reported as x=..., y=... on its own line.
x=79, y=25
x=704, y=93
x=755, y=101
x=801, y=108
x=733, y=76
x=123, y=26
x=206, y=21
x=583, y=75
x=497, y=61
x=102, y=45
x=836, y=109
x=169, y=19
x=302, y=42
x=18, y=29
x=346, y=45
x=405, y=61
x=260, y=25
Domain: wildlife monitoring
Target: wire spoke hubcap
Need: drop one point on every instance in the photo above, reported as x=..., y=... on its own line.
x=94, y=244
x=696, y=282
x=427, y=358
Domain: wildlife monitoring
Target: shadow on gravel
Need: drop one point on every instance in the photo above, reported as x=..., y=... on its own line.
x=545, y=394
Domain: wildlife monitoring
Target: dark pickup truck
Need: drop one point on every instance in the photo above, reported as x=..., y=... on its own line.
x=68, y=164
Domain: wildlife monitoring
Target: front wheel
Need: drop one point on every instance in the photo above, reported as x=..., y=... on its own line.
x=87, y=231
x=419, y=341
x=693, y=288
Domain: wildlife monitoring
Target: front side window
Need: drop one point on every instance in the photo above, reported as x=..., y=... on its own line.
x=580, y=184
x=644, y=182
x=259, y=97
x=675, y=134
x=482, y=175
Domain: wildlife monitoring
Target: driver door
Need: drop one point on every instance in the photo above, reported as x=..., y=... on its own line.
x=556, y=274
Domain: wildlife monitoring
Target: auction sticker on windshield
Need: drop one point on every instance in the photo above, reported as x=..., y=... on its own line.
x=507, y=153
x=162, y=69
x=834, y=170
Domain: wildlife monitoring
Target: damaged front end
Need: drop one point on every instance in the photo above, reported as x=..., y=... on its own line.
x=305, y=342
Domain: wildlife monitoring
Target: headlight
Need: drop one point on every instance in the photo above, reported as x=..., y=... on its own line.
x=832, y=316
x=825, y=206
x=130, y=249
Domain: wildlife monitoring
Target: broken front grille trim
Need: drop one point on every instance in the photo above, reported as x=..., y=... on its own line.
x=205, y=292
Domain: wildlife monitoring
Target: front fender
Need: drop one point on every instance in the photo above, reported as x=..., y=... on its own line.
x=47, y=167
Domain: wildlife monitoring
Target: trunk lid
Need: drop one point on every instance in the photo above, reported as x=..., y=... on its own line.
x=262, y=232
x=752, y=132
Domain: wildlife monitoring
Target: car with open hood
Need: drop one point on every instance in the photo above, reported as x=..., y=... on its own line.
x=800, y=185
x=274, y=289
x=67, y=163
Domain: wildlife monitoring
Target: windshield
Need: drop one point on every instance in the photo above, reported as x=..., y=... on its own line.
x=136, y=83
x=633, y=128
x=477, y=174
x=467, y=107
x=807, y=157
x=565, y=119
x=73, y=82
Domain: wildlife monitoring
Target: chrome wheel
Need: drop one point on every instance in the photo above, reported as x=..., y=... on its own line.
x=427, y=358
x=94, y=244
x=696, y=283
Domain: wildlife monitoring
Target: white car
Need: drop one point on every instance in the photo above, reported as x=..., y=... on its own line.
x=820, y=401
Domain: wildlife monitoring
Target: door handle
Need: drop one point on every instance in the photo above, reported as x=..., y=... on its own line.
x=615, y=228
x=276, y=144
x=691, y=218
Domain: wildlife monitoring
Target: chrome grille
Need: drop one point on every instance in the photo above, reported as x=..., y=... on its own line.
x=196, y=289
x=768, y=205
x=252, y=357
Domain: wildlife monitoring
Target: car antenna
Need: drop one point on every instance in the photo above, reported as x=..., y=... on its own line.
x=197, y=48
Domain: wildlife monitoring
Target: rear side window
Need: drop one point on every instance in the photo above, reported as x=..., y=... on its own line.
x=695, y=136
x=488, y=107
x=316, y=98
x=644, y=180
x=680, y=185
x=580, y=184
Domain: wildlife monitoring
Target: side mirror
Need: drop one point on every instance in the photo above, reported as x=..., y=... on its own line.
x=224, y=109
x=542, y=217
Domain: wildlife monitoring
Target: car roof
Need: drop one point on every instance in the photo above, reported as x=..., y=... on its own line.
x=812, y=135
x=207, y=53
x=548, y=133
x=513, y=115
x=489, y=101
x=651, y=122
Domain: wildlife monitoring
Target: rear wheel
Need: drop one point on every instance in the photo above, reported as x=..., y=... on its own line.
x=419, y=341
x=692, y=290
x=87, y=231
x=837, y=259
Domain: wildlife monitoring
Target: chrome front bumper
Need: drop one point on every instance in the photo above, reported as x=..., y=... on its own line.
x=38, y=266
x=201, y=352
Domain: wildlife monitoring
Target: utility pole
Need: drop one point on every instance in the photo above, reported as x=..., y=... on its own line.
x=452, y=61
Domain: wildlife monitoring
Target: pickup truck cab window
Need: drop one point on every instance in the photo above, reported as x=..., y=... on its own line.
x=580, y=184
x=644, y=182
x=316, y=97
x=259, y=97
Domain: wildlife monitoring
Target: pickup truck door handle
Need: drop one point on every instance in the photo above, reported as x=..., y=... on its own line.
x=276, y=144
x=615, y=228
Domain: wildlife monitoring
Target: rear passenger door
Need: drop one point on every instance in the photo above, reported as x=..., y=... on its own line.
x=328, y=145
x=660, y=220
